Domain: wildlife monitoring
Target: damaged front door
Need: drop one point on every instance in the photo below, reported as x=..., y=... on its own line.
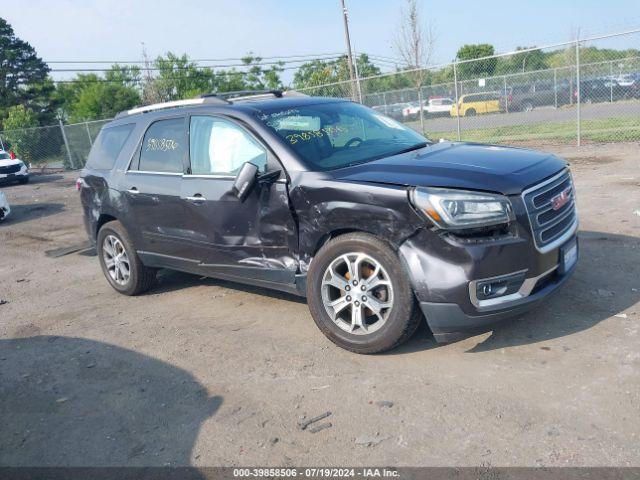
x=255, y=238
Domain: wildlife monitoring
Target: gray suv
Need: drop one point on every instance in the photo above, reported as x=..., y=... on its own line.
x=374, y=224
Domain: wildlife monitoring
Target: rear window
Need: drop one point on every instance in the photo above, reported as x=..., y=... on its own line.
x=164, y=146
x=108, y=146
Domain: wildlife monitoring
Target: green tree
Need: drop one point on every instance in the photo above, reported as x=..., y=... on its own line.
x=522, y=62
x=479, y=68
x=19, y=131
x=92, y=97
x=322, y=72
x=23, y=77
x=102, y=100
x=178, y=78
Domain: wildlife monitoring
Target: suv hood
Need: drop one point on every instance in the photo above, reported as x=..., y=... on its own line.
x=8, y=163
x=506, y=170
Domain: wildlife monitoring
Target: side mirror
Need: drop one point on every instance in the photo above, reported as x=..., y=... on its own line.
x=245, y=180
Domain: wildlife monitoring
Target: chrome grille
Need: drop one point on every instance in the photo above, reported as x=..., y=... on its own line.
x=550, y=220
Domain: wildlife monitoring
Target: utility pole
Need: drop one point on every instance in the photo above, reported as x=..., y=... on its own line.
x=349, y=55
x=578, y=93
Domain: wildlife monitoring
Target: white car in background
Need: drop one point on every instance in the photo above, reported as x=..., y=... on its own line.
x=433, y=107
x=4, y=207
x=12, y=170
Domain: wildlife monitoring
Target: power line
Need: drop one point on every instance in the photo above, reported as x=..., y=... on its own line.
x=187, y=67
x=139, y=80
x=132, y=62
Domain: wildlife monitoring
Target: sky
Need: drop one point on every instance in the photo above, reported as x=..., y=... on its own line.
x=113, y=30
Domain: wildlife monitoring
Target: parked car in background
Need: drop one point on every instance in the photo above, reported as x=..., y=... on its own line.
x=375, y=225
x=432, y=107
x=627, y=80
x=595, y=90
x=393, y=110
x=439, y=106
x=12, y=170
x=526, y=97
x=476, y=103
x=4, y=206
x=412, y=111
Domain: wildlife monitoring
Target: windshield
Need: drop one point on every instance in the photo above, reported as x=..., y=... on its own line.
x=5, y=156
x=335, y=135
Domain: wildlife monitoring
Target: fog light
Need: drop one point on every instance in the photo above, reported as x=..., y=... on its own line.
x=499, y=286
x=491, y=289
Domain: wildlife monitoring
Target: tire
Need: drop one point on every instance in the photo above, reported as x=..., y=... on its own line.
x=527, y=106
x=398, y=321
x=470, y=113
x=23, y=181
x=140, y=278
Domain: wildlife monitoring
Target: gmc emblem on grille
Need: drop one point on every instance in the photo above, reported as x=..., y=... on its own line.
x=561, y=199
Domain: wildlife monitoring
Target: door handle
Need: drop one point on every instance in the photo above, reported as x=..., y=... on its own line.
x=133, y=190
x=197, y=198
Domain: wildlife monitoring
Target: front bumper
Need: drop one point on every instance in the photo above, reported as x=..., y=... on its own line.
x=443, y=272
x=14, y=177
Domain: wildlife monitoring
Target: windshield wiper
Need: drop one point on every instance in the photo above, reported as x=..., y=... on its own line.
x=417, y=146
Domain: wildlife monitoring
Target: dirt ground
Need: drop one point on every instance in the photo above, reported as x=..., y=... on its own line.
x=203, y=372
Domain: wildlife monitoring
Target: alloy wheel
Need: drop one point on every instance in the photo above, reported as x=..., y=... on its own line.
x=357, y=293
x=116, y=260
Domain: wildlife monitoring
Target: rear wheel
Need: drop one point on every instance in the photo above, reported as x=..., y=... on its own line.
x=359, y=295
x=120, y=262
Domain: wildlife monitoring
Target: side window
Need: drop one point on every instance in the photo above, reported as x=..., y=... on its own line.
x=163, y=147
x=220, y=147
x=107, y=146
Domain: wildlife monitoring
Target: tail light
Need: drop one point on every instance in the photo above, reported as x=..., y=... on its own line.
x=80, y=183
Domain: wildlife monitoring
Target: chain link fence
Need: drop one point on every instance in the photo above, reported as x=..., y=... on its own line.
x=54, y=146
x=569, y=93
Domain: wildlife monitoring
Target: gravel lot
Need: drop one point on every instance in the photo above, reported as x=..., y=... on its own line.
x=203, y=372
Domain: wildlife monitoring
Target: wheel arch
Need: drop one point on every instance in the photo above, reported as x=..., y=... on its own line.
x=102, y=219
x=324, y=239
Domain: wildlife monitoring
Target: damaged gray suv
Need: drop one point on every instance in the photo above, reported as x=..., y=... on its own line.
x=377, y=226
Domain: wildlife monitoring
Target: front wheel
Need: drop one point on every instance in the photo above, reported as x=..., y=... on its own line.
x=120, y=262
x=359, y=295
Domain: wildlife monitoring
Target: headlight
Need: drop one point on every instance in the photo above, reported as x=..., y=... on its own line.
x=459, y=209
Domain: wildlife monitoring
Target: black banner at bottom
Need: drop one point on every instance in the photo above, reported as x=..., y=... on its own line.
x=402, y=473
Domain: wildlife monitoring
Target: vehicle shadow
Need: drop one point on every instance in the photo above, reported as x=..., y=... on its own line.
x=31, y=211
x=34, y=178
x=599, y=289
x=78, y=402
x=170, y=280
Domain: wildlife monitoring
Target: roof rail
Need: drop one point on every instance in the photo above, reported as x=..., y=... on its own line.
x=224, y=98
x=175, y=103
x=244, y=94
x=241, y=95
